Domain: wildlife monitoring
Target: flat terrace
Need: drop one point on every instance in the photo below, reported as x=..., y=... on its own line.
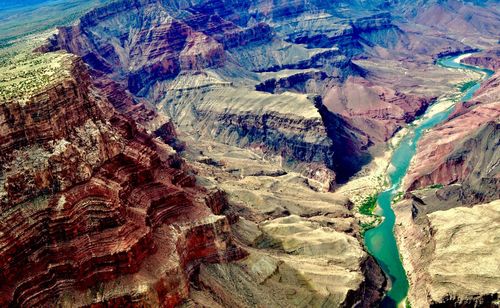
x=24, y=73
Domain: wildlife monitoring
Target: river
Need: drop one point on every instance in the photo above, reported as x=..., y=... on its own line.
x=380, y=241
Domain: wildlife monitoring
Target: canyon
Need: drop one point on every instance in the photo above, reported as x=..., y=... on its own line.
x=449, y=197
x=219, y=154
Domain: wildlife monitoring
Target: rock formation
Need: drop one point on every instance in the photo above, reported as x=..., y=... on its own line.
x=453, y=190
x=489, y=59
x=448, y=253
x=90, y=203
x=188, y=152
x=468, y=155
x=182, y=55
x=293, y=235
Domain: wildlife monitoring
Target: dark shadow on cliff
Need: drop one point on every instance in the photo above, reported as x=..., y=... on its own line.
x=350, y=152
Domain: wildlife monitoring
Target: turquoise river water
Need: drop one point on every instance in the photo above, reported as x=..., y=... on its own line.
x=380, y=241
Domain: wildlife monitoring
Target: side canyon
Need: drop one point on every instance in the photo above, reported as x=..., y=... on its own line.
x=222, y=153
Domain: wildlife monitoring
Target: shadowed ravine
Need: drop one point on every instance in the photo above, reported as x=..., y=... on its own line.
x=380, y=241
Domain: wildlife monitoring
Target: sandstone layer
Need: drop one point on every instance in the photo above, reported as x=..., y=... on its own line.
x=187, y=157
x=488, y=59
x=448, y=224
x=304, y=246
x=449, y=253
x=94, y=211
x=180, y=56
x=464, y=149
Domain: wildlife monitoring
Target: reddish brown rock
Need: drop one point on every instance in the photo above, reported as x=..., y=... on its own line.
x=151, y=53
x=376, y=110
x=489, y=59
x=86, y=196
x=51, y=115
x=464, y=149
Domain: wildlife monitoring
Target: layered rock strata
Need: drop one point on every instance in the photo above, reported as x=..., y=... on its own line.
x=89, y=200
x=489, y=59
x=224, y=44
x=464, y=149
x=446, y=225
x=448, y=253
x=293, y=234
x=200, y=63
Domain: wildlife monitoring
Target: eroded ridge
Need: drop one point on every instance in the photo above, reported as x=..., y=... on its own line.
x=88, y=199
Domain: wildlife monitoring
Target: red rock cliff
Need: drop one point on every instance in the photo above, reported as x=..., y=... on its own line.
x=88, y=200
x=464, y=149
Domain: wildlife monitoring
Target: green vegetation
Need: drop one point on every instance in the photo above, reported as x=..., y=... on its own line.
x=368, y=205
x=407, y=303
x=22, y=20
x=467, y=85
x=25, y=72
x=436, y=186
x=365, y=226
x=397, y=197
x=23, y=28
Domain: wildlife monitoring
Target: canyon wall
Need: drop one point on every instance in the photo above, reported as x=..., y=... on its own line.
x=89, y=199
x=468, y=155
x=96, y=211
x=183, y=54
x=190, y=156
x=452, y=203
x=489, y=59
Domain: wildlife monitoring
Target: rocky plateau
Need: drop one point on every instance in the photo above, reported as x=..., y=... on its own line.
x=453, y=190
x=202, y=153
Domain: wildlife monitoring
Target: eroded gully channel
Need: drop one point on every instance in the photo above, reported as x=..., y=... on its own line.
x=380, y=241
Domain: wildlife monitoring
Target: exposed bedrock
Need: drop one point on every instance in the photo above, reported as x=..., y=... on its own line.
x=352, y=39
x=98, y=208
x=151, y=48
x=473, y=161
x=308, y=133
x=293, y=235
x=141, y=54
x=445, y=227
x=377, y=110
x=48, y=116
x=89, y=200
x=447, y=251
x=488, y=59
x=304, y=82
x=150, y=55
x=464, y=150
x=458, y=18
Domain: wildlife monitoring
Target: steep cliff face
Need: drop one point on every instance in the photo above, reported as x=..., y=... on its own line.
x=459, y=18
x=46, y=122
x=453, y=190
x=488, y=59
x=113, y=216
x=88, y=199
x=140, y=53
x=374, y=109
x=151, y=47
x=468, y=155
x=308, y=137
x=293, y=234
x=275, y=103
x=448, y=253
x=354, y=37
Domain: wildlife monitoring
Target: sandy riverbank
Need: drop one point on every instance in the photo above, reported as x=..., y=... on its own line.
x=373, y=177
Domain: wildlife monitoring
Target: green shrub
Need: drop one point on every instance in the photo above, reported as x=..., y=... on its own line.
x=436, y=186
x=467, y=85
x=368, y=205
